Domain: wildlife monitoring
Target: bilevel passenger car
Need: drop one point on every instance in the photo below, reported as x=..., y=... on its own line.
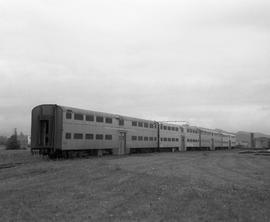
x=62, y=131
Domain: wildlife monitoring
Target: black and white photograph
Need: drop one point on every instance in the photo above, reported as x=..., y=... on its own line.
x=143, y=110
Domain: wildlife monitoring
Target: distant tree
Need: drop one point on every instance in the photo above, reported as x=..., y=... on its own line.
x=12, y=142
x=3, y=140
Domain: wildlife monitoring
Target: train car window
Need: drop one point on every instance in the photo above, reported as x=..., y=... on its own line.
x=140, y=124
x=108, y=120
x=78, y=116
x=145, y=125
x=164, y=139
x=145, y=138
x=68, y=135
x=99, y=119
x=151, y=138
x=89, y=136
x=99, y=137
x=108, y=137
x=165, y=127
x=68, y=115
x=78, y=136
x=121, y=122
x=134, y=123
x=89, y=118
x=140, y=138
x=134, y=138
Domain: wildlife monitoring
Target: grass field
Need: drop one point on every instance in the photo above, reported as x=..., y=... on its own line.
x=190, y=186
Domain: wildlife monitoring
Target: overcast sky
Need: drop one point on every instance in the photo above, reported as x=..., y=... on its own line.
x=203, y=61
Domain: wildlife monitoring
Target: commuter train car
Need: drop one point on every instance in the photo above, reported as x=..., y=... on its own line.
x=192, y=137
x=62, y=131
x=171, y=137
x=206, y=139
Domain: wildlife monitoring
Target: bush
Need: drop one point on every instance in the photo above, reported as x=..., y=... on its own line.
x=13, y=143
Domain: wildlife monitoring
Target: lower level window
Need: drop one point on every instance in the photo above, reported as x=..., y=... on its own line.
x=108, y=137
x=89, y=136
x=99, y=137
x=134, y=138
x=68, y=135
x=78, y=136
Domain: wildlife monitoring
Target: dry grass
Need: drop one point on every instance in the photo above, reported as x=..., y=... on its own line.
x=192, y=186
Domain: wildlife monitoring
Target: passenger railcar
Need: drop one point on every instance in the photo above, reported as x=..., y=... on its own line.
x=171, y=137
x=192, y=137
x=60, y=130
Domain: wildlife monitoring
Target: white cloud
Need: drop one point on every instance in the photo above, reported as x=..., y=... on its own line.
x=202, y=61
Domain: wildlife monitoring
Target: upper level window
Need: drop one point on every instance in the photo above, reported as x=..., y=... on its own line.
x=165, y=139
x=134, y=138
x=165, y=127
x=78, y=136
x=89, y=118
x=145, y=138
x=134, y=123
x=145, y=125
x=108, y=120
x=78, y=116
x=151, y=125
x=176, y=128
x=169, y=139
x=68, y=115
x=140, y=124
x=99, y=119
x=169, y=128
x=140, y=138
x=151, y=138
x=121, y=122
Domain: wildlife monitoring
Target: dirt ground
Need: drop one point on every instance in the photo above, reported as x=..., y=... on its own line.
x=190, y=186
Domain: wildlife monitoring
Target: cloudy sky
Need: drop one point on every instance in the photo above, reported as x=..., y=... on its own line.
x=206, y=62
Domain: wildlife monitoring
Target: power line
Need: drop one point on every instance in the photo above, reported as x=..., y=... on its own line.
x=175, y=121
